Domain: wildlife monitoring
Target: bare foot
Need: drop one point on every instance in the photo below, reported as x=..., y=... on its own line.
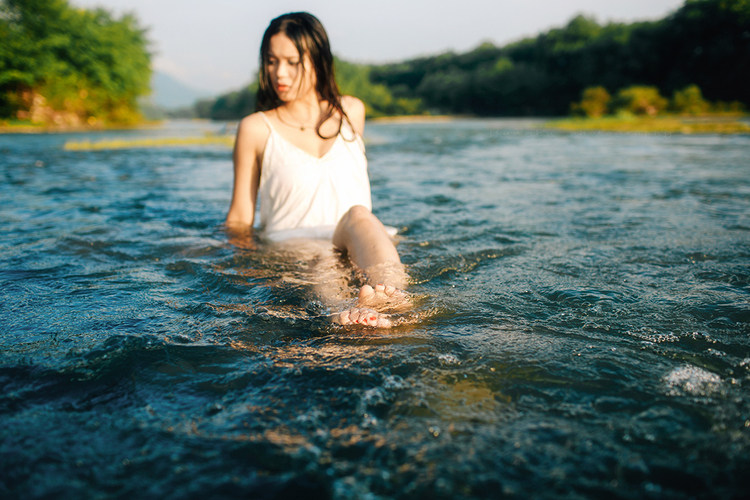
x=361, y=316
x=381, y=296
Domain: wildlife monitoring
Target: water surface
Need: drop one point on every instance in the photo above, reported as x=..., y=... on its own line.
x=583, y=306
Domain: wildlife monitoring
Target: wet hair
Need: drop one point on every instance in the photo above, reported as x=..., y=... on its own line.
x=309, y=36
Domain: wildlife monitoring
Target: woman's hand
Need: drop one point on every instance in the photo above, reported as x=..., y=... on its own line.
x=240, y=236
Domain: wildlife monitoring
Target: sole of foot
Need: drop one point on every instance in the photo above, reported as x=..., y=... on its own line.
x=361, y=316
x=381, y=296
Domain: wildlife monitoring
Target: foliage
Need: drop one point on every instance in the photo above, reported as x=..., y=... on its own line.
x=689, y=101
x=594, y=102
x=230, y=106
x=670, y=124
x=64, y=65
x=705, y=42
x=639, y=100
x=353, y=79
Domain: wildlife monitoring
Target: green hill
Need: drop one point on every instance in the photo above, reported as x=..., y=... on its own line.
x=704, y=45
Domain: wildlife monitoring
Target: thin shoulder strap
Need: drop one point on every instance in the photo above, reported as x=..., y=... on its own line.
x=265, y=119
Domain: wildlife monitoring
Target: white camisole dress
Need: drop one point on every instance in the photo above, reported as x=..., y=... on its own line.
x=302, y=196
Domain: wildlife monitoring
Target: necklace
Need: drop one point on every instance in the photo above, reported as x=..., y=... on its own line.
x=301, y=126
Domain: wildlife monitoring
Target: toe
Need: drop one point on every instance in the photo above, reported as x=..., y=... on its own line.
x=370, y=320
x=366, y=292
x=345, y=317
x=362, y=315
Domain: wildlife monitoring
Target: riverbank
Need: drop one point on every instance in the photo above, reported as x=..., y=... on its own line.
x=224, y=134
x=671, y=124
x=23, y=127
x=416, y=118
x=208, y=140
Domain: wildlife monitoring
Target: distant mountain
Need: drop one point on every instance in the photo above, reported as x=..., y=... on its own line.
x=170, y=93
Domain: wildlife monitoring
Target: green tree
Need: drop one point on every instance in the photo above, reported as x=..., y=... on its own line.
x=639, y=100
x=689, y=101
x=594, y=102
x=704, y=42
x=354, y=79
x=64, y=64
x=230, y=106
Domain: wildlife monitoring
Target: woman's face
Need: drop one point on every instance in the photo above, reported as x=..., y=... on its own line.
x=285, y=69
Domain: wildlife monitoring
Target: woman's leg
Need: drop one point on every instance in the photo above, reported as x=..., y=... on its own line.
x=364, y=238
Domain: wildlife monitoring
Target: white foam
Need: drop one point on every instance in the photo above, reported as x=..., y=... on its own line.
x=449, y=359
x=689, y=379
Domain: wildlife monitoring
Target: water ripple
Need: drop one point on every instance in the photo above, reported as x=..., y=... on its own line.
x=580, y=328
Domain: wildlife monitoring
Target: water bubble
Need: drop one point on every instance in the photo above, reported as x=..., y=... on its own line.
x=373, y=396
x=368, y=422
x=214, y=408
x=448, y=358
x=692, y=380
x=393, y=382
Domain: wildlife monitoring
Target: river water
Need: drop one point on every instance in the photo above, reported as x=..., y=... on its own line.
x=581, y=324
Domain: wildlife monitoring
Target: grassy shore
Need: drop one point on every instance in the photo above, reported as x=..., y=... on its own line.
x=27, y=127
x=207, y=140
x=415, y=118
x=672, y=124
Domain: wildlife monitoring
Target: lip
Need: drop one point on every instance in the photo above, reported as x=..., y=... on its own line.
x=282, y=88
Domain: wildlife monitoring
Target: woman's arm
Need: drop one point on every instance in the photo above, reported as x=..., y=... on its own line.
x=355, y=110
x=252, y=134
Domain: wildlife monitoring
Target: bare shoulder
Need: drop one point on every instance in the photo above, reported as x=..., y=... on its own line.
x=252, y=135
x=253, y=126
x=355, y=110
x=351, y=104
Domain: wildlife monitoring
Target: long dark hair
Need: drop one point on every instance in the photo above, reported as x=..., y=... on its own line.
x=309, y=36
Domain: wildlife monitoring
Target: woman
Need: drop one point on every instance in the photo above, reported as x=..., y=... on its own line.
x=302, y=151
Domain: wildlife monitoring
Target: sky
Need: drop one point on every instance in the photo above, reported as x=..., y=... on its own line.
x=213, y=45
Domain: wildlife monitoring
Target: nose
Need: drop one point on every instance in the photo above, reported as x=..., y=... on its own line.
x=282, y=69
